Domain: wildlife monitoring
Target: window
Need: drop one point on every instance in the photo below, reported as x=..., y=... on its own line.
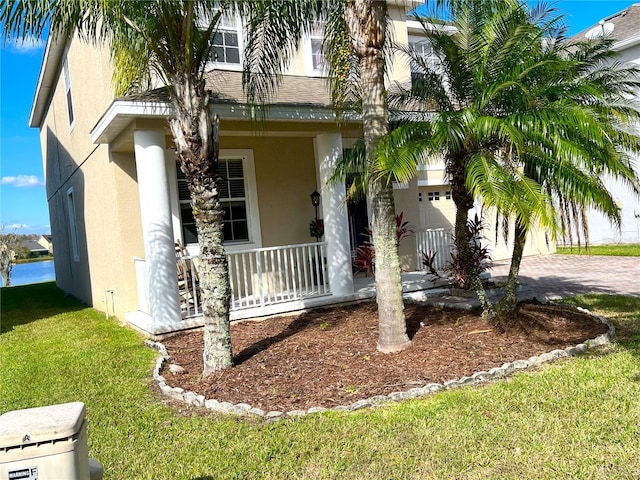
x=233, y=200
x=241, y=223
x=432, y=196
x=226, y=42
x=422, y=48
x=73, y=229
x=447, y=195
x=318, y=62
x=419, y=196
x=67, y=89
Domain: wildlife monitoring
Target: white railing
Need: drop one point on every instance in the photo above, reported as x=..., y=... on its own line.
x=437, y=240
x=260, y=277
x=266, y=276
x=188, y=286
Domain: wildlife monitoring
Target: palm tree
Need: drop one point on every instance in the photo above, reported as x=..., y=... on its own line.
x=456, y=109
x=167, y=41
x=356, y=39
x=592, y=94
x=513, y=115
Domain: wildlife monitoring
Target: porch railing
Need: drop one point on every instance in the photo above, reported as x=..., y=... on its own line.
x=266, y=276
x=438, y=240
x=260, y=277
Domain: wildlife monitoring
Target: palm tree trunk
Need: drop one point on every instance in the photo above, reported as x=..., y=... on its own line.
x=198, y=153
x=464, y=202
x=509, y=302
x=366, y=20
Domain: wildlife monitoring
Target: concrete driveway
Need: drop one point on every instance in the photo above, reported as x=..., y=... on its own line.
x=556, y=275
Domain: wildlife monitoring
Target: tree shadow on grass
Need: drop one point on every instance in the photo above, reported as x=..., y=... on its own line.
x=24, y=304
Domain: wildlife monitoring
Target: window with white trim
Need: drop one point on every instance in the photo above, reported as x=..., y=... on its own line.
x=227, y=41
x=423, y=49
x=237, y=198
x=73, y=228
x=447, y=195
x=316, y=62
x=67, y=91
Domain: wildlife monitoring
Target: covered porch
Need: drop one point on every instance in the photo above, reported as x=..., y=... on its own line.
x=267, y=178
x=272, y=281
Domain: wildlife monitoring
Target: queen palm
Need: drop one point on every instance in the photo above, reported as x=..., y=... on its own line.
x=512, y=115
x=355, y=39
x=167, y=42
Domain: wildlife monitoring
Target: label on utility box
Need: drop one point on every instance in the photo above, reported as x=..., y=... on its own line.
x=30, y=473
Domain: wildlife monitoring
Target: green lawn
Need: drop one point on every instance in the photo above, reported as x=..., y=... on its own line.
x=619, y=250
x=577, y=418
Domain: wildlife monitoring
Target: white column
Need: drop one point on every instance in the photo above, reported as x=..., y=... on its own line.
x=334, y=211
x=157, y=229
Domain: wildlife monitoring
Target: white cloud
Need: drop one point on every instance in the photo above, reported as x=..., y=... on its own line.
x=15, y=227
x=22, y=181
x=27, y=45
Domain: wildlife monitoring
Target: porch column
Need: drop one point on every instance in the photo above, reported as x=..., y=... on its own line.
x=334, y=211
x=157, y=229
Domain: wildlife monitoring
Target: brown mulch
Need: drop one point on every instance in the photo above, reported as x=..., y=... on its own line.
x=327, y=357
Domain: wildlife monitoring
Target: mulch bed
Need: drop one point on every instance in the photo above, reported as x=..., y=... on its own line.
x=327, y=357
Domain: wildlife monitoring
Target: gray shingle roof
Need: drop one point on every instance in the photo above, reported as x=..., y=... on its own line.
x=33, y=246
x=626, y=24
x=226, y=87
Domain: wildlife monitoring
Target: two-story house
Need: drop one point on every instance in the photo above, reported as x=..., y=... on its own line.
x=118, y=204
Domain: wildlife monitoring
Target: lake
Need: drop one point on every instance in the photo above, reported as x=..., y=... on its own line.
x=36, y=272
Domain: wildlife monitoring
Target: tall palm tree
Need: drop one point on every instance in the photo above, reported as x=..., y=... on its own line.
x=167, y=41
x=356, y=40
x=513, y=115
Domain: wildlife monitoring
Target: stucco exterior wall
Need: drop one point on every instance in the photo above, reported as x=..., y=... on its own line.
x=399, y=70
x=398, y=67
x=285, y=177
x=406, y=202
x=104, y=188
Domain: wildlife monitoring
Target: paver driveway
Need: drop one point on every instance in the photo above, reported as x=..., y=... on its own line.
x=556, y=275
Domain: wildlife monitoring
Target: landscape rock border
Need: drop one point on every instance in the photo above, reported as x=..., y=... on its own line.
x=244, y=409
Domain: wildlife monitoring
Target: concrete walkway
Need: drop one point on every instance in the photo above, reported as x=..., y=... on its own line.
x=553, y=276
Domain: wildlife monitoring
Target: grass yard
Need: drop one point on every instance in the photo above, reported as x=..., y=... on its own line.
x=578, y=418
x=619, y=250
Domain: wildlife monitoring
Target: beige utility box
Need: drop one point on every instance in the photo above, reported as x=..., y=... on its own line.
x=46, y=443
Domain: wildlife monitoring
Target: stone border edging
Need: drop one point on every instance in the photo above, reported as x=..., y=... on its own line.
x=244, y=409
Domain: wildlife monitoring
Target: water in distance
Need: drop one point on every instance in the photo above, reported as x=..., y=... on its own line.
x=36, y=272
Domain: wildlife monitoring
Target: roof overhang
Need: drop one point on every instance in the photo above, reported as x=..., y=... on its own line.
x=627, y=43
x=121, y=114
x=47, y=79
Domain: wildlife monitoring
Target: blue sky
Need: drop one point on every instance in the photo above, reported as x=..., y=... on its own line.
x=22, y=195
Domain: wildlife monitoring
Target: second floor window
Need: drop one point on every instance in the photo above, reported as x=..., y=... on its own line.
x=422, y=48
x=67, y=91
x=318, y=61
x=226, y=42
